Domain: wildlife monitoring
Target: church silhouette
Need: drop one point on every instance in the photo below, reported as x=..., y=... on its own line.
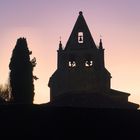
x=81, y=79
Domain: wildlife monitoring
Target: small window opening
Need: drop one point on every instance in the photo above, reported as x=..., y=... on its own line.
x=72, y=64
x=80, y=37
x=88, y=63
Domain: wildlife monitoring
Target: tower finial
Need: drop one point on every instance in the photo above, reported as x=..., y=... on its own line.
x=80, y=13
x=60, y=44
x=100, y=44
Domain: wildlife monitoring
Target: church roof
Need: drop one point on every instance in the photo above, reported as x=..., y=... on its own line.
x=80, y=27
x=94, y=100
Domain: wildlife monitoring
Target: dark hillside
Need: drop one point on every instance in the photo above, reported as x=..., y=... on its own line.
x=68, y=123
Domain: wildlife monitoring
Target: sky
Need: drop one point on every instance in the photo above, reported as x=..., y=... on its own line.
x=42, y=22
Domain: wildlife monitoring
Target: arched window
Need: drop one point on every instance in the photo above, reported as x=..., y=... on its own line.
x=88, y=63
x=72, y=64
x=80, y=37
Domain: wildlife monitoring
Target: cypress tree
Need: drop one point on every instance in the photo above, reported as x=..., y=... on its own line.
x=21, y=73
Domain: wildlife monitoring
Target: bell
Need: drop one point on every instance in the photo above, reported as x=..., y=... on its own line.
x=80, y=39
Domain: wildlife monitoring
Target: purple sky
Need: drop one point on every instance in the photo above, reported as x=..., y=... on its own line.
x=42, y=22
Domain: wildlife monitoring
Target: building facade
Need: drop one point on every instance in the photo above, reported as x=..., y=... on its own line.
x=81, y=78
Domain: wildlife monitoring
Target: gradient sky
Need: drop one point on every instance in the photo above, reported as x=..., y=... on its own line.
x=42, y=22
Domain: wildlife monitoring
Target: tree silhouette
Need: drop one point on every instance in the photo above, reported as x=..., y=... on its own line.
x=4, y=93
x=21, y=73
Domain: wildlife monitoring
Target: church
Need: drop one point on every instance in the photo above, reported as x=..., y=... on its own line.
x=81, y=79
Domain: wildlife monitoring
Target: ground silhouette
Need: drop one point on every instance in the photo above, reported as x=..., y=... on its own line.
x=44, y=121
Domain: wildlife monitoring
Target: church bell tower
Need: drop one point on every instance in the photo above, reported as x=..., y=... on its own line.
x=80, y=66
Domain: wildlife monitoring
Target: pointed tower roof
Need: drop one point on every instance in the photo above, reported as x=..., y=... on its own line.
x=80, y=27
